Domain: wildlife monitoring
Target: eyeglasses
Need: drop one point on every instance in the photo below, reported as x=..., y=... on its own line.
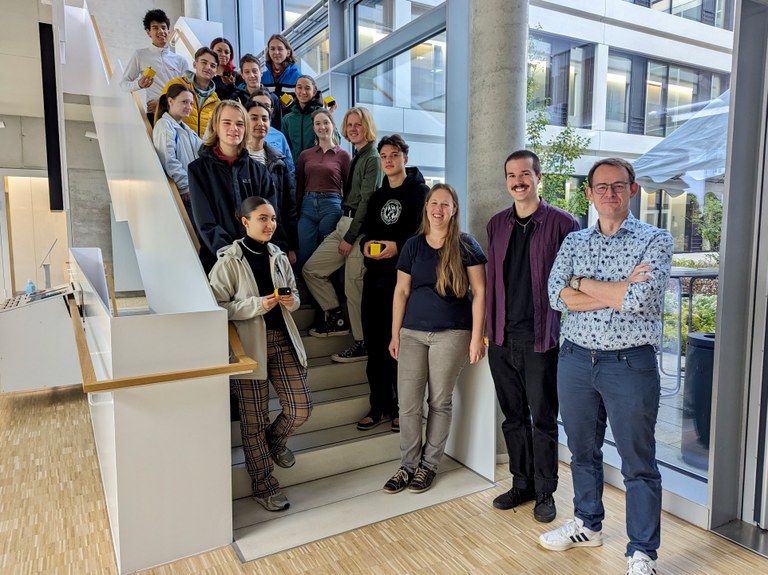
x=617, y=187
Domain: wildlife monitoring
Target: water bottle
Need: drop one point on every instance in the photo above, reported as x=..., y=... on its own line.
x=30, y=288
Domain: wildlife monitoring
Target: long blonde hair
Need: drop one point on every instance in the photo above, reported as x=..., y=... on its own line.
x=451, y=272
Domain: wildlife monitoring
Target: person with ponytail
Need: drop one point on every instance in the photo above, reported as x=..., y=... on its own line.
x=438, y=318
x=253, y=280
x=176, y=143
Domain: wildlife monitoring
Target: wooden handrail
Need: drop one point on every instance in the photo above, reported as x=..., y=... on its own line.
x=242, y=363
x=101, y=47
x=183, y=37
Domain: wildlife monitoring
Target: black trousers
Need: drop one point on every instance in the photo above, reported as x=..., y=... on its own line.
x=376, y=316
x=526, y=386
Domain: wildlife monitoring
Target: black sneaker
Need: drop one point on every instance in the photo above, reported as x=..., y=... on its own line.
x=422, y=480
x=356, y=352
x=334, y=324
x=513, y=498
x=544, y=511
x=399, y=481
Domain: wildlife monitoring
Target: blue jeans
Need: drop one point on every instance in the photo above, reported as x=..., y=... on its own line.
x=622, y=386
x=320, y=212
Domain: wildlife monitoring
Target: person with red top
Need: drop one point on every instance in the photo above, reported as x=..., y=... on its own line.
x=226, y=79
x=320, y=175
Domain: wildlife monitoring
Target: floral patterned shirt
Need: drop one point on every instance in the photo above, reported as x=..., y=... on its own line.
x=591, y=254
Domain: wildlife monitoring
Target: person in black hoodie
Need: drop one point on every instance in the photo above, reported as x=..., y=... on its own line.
x=222, y=177
x=393, y=216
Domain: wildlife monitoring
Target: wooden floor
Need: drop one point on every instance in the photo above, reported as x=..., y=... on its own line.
x=53, y=520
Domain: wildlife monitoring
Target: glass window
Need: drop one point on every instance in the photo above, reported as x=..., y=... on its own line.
x=295, y=9
x=406, y=95
x=375, y=19
x=561, y=75
x=313, y=57
x=654, y=99
x=617, y=93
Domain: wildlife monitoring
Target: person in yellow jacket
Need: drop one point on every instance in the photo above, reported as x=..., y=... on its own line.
x=201, y=83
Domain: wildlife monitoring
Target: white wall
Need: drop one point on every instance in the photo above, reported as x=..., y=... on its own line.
x=34, y=228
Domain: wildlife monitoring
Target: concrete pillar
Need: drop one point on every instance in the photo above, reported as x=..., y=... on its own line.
x=196, y=9
x=497, y=77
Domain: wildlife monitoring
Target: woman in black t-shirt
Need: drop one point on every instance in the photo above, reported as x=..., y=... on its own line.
x=438, y=318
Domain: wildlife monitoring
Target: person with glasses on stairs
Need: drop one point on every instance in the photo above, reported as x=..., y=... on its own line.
x=253, y=280
x=438, y=316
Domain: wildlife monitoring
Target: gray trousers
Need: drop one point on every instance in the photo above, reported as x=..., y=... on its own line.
x=324, y=261
x=432, y=361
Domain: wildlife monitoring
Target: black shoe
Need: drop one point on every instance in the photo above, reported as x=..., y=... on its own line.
x=334, y=324
x=544, y=511
x=363, y=425
x=422, y=480
x=399, y=481
x=513, y=498
x=356, y=352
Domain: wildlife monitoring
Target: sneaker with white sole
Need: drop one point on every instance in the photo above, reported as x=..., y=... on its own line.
x=641, y=564
x=334, y=324
x=276, y=502
x=356, y=352
x=284, y=458
x=572, y=534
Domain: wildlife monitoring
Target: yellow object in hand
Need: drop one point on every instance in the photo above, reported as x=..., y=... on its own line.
x=149, y=72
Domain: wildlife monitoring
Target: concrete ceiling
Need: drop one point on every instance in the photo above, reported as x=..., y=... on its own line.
x=21, y=91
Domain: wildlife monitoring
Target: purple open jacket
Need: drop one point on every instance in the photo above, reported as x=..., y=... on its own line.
x=552, y=225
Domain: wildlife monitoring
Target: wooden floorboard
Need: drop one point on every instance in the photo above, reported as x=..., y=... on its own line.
x=53, y=520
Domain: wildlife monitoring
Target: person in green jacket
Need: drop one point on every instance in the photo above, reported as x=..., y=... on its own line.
x=297, y=124
x=342, y=246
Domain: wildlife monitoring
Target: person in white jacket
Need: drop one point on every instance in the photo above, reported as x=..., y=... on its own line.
x=253, y=280
x=176, y=143
x=164, y=63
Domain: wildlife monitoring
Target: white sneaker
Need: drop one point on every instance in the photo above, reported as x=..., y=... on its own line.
x=641, y=564
x=572, y=534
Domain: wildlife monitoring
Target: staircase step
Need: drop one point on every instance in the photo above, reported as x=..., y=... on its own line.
x=332, y=408
x=333, y=505
x=322, y=453
x=325, y=346
x=304, y=317
x=326, y=374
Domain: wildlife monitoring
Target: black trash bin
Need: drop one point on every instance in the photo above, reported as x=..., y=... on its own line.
x=697, y=398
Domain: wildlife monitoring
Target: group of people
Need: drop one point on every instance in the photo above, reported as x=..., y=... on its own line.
x=421, y=296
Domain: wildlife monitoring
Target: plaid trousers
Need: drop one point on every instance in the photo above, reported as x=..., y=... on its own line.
x=260, y=437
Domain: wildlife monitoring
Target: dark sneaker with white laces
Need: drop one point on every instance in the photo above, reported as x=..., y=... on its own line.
x=356, y=352
x=572, y=534
x=399, y=481
x=335, y=324
x=641, y=564
x=513, y=498
x=544, y=510
x=422, y=480
x=284, y=458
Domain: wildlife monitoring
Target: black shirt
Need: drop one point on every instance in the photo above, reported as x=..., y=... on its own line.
x=257, y=256
x=517, y=279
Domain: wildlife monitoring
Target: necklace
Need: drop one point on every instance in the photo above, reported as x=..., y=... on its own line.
x=251, y=249
x=524, y=225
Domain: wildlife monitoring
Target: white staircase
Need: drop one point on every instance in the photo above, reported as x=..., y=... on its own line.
x=336, y=483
